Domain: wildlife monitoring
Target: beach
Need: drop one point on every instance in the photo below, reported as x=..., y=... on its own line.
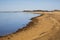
x=43, y=27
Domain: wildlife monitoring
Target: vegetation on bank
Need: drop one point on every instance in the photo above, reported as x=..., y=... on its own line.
x=41, y=11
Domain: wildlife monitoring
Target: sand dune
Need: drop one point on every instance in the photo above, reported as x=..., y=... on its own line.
x=44, y=27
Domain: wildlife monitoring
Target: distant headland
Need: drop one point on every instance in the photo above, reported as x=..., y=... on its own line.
x=40, y=11
x=30, y=11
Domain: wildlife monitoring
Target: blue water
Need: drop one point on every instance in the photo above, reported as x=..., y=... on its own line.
x=10, y=22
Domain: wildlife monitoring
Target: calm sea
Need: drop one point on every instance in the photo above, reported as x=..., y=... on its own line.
x=10, y=22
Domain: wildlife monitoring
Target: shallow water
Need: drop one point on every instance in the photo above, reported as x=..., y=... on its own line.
x=10, y=22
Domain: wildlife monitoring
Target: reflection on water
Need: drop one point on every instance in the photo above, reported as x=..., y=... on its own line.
x=10, y=22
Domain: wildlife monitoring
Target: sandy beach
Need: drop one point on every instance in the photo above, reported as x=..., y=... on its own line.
x=44, y=27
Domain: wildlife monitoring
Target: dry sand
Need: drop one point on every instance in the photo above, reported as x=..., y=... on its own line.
x=44, y=27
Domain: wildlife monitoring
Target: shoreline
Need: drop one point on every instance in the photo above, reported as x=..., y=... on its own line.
x=47, y=25
x=24, y=28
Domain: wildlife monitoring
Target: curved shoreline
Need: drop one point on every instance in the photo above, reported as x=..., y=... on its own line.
x=43, y=27
x=22, y=29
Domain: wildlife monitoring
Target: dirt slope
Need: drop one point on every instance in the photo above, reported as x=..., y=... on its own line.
x=44, y=27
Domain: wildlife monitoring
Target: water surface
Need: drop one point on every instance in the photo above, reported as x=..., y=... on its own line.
x=10, y=22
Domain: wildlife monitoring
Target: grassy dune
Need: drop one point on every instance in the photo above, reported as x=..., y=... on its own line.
x=44, y=27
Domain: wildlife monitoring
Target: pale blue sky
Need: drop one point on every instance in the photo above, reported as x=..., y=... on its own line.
x=15, y=5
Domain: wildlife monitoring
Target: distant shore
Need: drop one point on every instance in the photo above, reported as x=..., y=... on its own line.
x=40, y=11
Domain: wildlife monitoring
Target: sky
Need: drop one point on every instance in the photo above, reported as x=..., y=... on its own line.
x=18, y=5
